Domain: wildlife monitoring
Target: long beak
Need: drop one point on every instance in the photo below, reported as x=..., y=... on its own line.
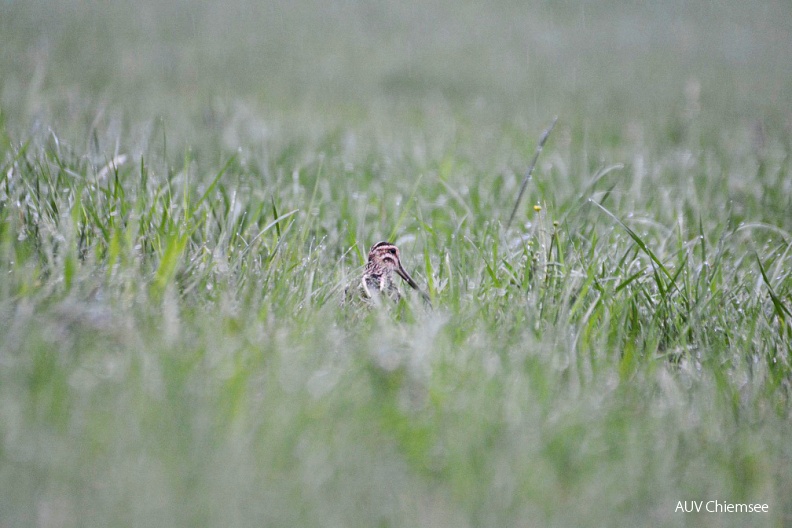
x=409, y=280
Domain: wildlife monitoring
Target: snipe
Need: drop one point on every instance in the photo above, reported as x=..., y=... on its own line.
x=383, y=261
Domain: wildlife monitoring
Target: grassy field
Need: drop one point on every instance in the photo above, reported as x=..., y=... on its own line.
x=187, y=187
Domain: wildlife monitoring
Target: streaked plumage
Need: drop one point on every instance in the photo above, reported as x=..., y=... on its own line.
x=377, y=280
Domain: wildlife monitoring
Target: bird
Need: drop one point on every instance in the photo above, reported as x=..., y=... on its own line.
x=377, y=280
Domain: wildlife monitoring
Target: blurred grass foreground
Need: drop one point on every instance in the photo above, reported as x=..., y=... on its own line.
x=186, y=188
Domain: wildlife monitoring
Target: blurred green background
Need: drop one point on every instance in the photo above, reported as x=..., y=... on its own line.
x=605, y=65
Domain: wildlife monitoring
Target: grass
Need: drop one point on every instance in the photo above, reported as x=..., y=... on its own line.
x=174, y=247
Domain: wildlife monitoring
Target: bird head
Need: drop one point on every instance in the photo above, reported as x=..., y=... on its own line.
x=385, y=255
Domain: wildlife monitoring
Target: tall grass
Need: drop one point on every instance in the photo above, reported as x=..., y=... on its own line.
x=174, y=350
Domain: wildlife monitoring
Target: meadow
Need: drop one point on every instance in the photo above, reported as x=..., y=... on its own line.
x=187, y=187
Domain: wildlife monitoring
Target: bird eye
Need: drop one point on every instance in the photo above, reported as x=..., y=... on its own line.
x=392, y=251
